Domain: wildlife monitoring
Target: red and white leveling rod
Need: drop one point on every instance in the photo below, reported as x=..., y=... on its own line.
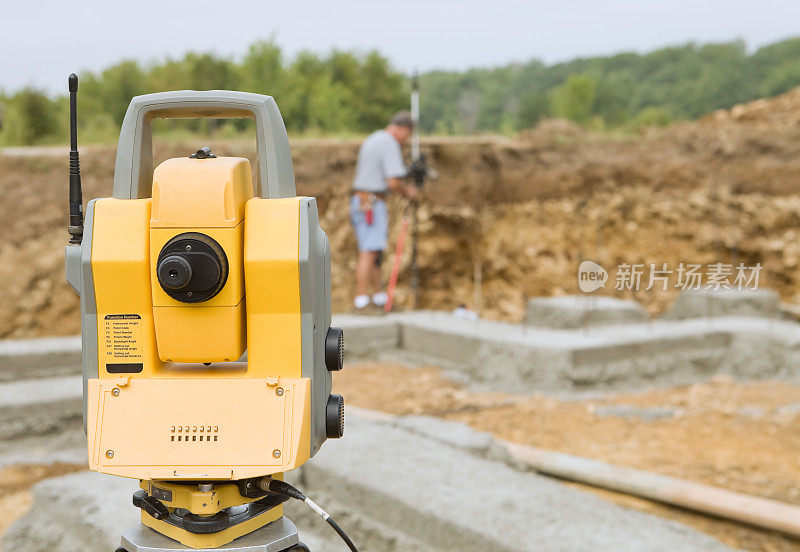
x=401, y=237
x=398, y=257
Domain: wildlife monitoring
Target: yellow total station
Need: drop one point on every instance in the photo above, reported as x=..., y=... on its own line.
x=207, y=345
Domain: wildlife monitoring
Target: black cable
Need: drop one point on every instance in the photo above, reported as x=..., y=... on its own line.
x=282, y=488
x=342, y=534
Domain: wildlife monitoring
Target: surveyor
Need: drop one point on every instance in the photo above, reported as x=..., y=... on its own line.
x=379, y=171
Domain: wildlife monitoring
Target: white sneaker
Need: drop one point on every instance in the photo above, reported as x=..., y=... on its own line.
x=380, y=298
x=361, y=301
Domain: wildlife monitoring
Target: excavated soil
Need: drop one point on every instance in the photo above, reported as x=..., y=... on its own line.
x=517, y=215
x=740, y=436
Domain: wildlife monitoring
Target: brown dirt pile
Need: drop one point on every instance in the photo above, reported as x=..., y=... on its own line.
x=520, y=213
x=740, y=436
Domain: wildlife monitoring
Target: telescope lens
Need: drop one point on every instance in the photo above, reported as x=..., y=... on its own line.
x=174, y=272
x=192, y=267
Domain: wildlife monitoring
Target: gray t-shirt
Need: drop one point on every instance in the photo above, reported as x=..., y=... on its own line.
x=379, y=159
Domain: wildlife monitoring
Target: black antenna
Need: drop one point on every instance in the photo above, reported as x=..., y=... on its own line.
x=75, y=194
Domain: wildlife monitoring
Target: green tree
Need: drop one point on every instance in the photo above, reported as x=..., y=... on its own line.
x=575, y=98
x=533, y=107
x=210, y=72
x=262, y=69
x=781, y=78
x=304, y=73
x=36, y=116
x=117, y=85
x=384, y=92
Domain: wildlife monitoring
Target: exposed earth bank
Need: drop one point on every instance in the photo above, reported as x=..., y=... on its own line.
x=517, y=214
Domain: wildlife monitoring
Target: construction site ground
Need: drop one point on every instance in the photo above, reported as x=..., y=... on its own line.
x=741, y=436
x=510, y=219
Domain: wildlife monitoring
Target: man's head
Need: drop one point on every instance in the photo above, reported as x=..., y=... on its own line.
x=401, y=126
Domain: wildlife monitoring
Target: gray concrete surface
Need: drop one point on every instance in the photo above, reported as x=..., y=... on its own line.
x=457, y=500
x=39, y=406
x=581, y=311
x=39, y=358
x=522, y=358
x=365, y=336
x=411, y=483
x=395, y=485
x=725, y=302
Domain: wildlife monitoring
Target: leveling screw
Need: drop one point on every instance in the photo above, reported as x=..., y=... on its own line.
x=279, y=391
x=109, y=454
x=276, y=453
x=115, y=391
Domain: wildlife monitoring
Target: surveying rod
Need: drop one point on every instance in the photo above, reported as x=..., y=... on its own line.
x=419, y=177
x=418, y=170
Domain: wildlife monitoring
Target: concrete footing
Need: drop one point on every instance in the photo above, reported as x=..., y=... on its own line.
x=411, y=483
x=395, y=485
x=39, y=358
x=581, y=311
x=521, y=358
x=21, y=412
x=724, y=302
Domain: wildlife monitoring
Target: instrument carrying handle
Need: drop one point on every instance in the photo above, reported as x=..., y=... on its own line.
x=133, y=173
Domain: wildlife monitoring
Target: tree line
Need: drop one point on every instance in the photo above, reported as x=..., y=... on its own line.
x=340, y=92
x=345, y=92
x=621, y=90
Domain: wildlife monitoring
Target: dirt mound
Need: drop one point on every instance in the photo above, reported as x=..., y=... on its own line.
x=517, y=214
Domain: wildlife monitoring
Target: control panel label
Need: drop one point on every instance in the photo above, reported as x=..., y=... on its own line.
x=123, y=343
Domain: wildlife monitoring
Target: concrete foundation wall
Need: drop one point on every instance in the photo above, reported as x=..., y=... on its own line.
x=39, y=358
x=394, y=484
x=518, y=358
x=411, y=483
x=522, y=358
x=705, y=303
x=581, y=311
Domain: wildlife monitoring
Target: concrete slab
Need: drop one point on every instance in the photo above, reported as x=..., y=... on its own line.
x=67, y=446
x=523, y=358
x=455, y=500
x=520, y=358
x=40, y=406
x=83, y=511
x=391, y=489
x=725, y=302
x=367, y=335
x=39, y=358
x=581, y=311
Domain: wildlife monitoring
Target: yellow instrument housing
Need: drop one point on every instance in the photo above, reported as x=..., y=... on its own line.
x=186, y=268
x=156, y=410
x=207, y=196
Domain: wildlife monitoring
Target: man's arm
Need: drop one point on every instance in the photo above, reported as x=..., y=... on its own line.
x=395, y=171
x=398, y=185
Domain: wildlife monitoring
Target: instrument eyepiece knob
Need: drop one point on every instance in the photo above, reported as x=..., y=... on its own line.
x=174, y=272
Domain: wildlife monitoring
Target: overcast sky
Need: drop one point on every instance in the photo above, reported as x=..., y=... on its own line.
x=42, y=41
